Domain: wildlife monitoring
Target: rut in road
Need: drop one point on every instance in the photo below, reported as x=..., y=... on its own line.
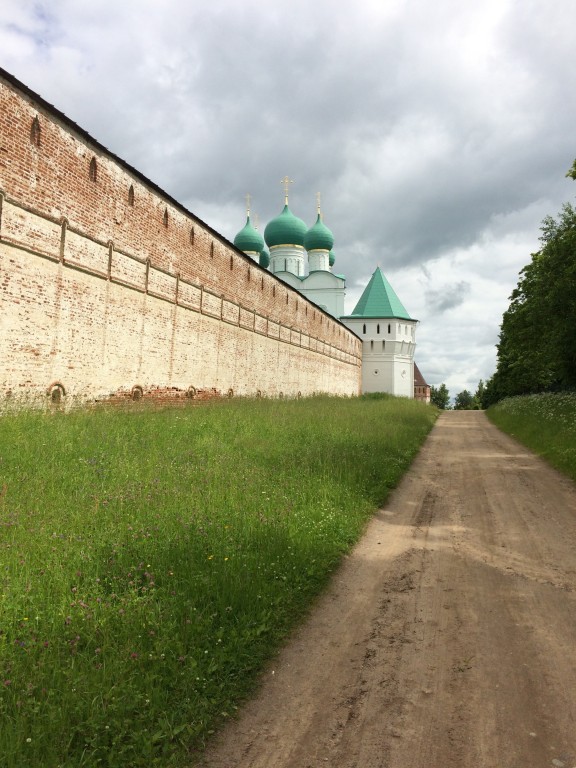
x=446, y=638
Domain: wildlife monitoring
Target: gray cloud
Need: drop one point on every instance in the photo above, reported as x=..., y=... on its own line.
x=447, y=297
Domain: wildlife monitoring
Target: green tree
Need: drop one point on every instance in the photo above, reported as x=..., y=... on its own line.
x=464, y=401
x=537, y=346
x=440, y=397
x=479, y=395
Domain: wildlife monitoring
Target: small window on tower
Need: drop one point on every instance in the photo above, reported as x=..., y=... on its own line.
x=388, y=327
x=165, y=217
x=131, y=195
x=378, y=328
x=192, y=236
x=364, y=328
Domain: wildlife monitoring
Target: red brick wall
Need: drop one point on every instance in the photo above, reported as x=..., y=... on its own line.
x=106, y=289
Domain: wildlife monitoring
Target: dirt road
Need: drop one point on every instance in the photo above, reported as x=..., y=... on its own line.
x=448, y=637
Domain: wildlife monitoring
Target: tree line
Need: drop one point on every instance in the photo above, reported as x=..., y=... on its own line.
x=464, y=401
x=536, y=351
x=537, y=345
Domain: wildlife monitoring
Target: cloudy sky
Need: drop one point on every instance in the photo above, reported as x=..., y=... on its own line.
x=438, y=133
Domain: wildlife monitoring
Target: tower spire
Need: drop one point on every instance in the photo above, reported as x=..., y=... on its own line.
x=318, y=197
x=248, y=199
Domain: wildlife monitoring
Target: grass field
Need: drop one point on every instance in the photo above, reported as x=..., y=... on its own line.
x=545, y=423
x=151, y=561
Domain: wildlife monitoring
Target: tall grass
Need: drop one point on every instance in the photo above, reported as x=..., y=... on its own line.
x=545, y=423
x=151, y=561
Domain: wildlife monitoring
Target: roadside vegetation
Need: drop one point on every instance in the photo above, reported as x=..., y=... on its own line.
x=545, y=423
x=537, y=346
x=152, y=561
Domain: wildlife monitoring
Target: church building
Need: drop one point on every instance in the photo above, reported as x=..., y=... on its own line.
x=304, y=258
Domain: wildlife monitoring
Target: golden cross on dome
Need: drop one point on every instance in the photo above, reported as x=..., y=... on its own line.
x=318, y=196
x=248, y=198
x=286, y=181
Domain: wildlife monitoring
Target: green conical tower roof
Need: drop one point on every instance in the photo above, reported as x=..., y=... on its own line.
x=285, y=229
x=379, y=300
x=249, y=239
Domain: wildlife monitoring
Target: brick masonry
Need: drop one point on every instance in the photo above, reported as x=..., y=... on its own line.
x=110, y=288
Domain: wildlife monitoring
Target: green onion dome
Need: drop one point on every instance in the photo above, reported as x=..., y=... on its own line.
x=264, y=259
x=331, y=258
x=285, y=229
x=249, y=239
x=318, y=237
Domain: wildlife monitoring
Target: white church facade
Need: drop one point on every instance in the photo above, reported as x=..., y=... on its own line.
x=304, y=258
